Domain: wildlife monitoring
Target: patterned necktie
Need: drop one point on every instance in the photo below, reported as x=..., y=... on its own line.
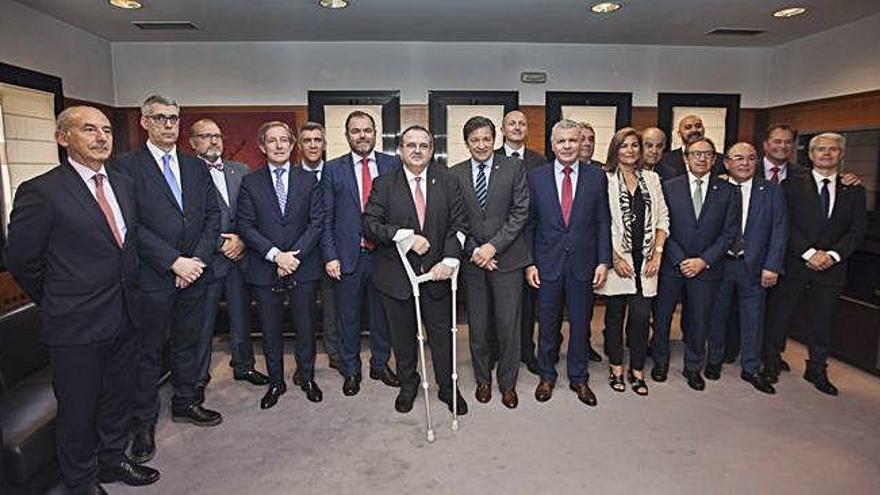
x=567, y=194
x=171, y=180
x=105, y=207
x=698, y=197
x=825, y=196
x=774, y=174
x=280, y=191
x=480, y=187
x=366, y=182
x=420, y=202
x=515, y=154
x=216, y=166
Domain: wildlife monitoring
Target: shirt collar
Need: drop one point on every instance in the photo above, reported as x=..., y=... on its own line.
x=357, y=158
x=475, y=163
x=272, y=168
x=158, y=152
x=557, y=166
x=509, y=151
x=85, y=172
x=768, y=165
x=819, y=177
x=318, y=167
x=692, y=178
x=745, y=185
x=411, y=176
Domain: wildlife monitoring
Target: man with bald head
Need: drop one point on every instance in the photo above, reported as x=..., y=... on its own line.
x=73, y=249
x=672, y=164
x=752, y=264
x=653, y=144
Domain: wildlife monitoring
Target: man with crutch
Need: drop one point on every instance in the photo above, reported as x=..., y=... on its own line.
x=422, y=201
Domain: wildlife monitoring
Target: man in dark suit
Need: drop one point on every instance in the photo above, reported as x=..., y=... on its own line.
x=827, y=225
x=588, y=148
x=225, y=272
x=753, y=264
x=279, y=218
x=702, y=223
x=653, y=145
x=496, y=199
x=73, y=249
x=569, y=234
x=349, y=260
x=673, y=162
x=778, y=162
x=515, y=129
x=178, y=231
x=423, y=201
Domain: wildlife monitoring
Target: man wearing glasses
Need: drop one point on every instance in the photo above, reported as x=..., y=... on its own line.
x=703, y=225
x=226, y=268
x=178, y=227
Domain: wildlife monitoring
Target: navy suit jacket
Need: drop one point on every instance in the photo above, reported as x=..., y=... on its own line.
x=341, y=200
x=262, y=226
x=587, y=239
x=708, y=237
x=164, y=232
x=766, y=231
x=234, y=173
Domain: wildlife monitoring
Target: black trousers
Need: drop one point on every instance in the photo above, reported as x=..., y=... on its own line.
x=437, y=319
x=781, y=304
x=92, y=385
x=528, y=318
x=635, y=309
x=301, y=304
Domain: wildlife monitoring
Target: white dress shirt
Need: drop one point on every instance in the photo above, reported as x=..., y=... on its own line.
x=285, y=178
x=560, y=176
x=475, y=169
x=768, y=173
x=746, y=190
x=87, y=176
x=158, y=153
x=374, y=171
x=832, y=194
x=423, y=183
x=508, y=151
x=692, y=182
x=219, y=178
x=317, y=170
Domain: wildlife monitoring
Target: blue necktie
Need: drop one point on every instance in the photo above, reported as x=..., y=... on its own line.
x=280, y=191
x=480, y=187
x=171, y=180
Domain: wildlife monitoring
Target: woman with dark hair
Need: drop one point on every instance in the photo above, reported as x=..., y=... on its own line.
x=639, y=227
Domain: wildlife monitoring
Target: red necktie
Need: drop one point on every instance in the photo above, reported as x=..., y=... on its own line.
x=105, y=207
x=366, y=189
x=420, y=203
x=565, y=203
x=775, y=177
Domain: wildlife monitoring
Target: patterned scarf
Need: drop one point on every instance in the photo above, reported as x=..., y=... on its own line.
x=629, y=216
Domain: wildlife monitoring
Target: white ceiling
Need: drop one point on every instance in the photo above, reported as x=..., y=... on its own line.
x=667, y=22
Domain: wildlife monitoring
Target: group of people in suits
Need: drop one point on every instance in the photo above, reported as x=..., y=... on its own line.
x=121, y=254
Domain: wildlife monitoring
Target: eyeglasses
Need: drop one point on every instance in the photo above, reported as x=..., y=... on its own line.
x=742, y=158
x=208, y=137
x=701, y=154
x=163, y=119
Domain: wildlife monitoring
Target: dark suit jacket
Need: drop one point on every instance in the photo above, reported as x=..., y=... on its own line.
x=808, y=227
x=391, y=208
x=672, y=164
x=587, y=239
x=707, y=237
x=531, y=159
x=341, y=200
x=164, y=232
x=234, y=173
x=262, y=226
x=62, y=252
x=766, y=231
x=507, y=211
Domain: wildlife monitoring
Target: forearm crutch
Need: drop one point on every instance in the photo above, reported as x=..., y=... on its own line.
x=454, y=283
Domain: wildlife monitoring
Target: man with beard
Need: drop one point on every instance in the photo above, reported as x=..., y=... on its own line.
x=672, y=164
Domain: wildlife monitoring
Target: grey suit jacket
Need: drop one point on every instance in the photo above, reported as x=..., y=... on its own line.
x=532, y=158
x=234, y=172
x=507, y=211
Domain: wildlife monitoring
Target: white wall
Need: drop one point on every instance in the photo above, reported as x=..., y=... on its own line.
x=281, y=73
x=840, y=61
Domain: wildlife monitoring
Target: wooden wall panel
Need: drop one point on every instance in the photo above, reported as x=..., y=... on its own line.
x=856, y=111
x=535, y=117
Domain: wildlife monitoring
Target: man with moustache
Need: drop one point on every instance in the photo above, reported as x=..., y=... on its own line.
x=496, y=199
x=178, y=233
x=753, y=264
x=424, y=201
x=73, y=249
x=348, y=255
x=673, y=162
x=279, y=218
x=653, y=144
x=225, y=272
x=312, y=143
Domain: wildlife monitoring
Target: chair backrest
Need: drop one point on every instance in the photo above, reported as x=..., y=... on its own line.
x=21, y=351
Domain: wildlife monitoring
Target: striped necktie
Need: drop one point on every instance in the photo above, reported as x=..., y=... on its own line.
x=480, y=187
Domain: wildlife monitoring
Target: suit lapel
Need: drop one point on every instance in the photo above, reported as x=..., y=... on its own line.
x=351, y=181
x=493, y=178
x=555, y=194
x=756, y=203
x=126, y=203
x=269, y=179
x=291, y=187
x=403, y=185
x=153, y=171
x=77, y=189
x=578, y=206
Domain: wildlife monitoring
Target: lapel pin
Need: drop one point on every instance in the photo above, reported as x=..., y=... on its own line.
x=433, y=181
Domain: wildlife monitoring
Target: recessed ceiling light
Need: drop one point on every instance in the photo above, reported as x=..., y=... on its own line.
x=333, y=4
x=126, y=4
x=790, y=12
x=605, y=7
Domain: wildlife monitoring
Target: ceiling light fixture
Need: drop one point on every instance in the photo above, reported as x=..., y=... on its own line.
x=333, y=4
x=126, y=4
x=605, y=7
x=789, y=12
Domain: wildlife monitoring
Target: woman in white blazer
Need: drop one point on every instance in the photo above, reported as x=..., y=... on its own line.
x=639, y=227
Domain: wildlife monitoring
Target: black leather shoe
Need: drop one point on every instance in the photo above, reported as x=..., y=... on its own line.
x=95, y=489
x=351, y=386
x=446, y=398
x=313, y=392
x=818, y=376
x=404, y=401
x=532, y=366
x=197, y=415
x=659, y=372
x=129, y=473
x=584, y=393
x=143, y=447
x=386, y=376
x=252, y=376
x=200, y=393
x=770, y=370
x=713, y=371
x=272, y=395
x=695, y=380
x=759, y=382
x=594, y=356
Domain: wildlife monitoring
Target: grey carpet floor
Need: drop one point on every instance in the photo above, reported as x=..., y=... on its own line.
x=729, y=439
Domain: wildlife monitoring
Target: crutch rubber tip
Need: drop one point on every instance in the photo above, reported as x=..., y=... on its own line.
x=455, y=425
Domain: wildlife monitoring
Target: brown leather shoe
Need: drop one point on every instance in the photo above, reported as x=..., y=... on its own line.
x=584, y=393
x=483, y=393
x=509, y=399
x=544, y=391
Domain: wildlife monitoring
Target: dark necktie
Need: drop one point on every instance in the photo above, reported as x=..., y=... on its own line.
x=825, y=196
x=739, y=243
x=774, y=174
x=567, y=194
x=480, y=187
x=515, y=154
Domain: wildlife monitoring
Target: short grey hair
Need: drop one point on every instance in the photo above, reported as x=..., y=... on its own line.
x=833, y=136
x=564, y=124
x=157, y=99
x=62, y=122
x=586, y=125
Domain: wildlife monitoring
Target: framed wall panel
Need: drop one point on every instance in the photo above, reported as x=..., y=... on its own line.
x=605, y=112
x=332, y=107
x=720, y=114
x=449, y=110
